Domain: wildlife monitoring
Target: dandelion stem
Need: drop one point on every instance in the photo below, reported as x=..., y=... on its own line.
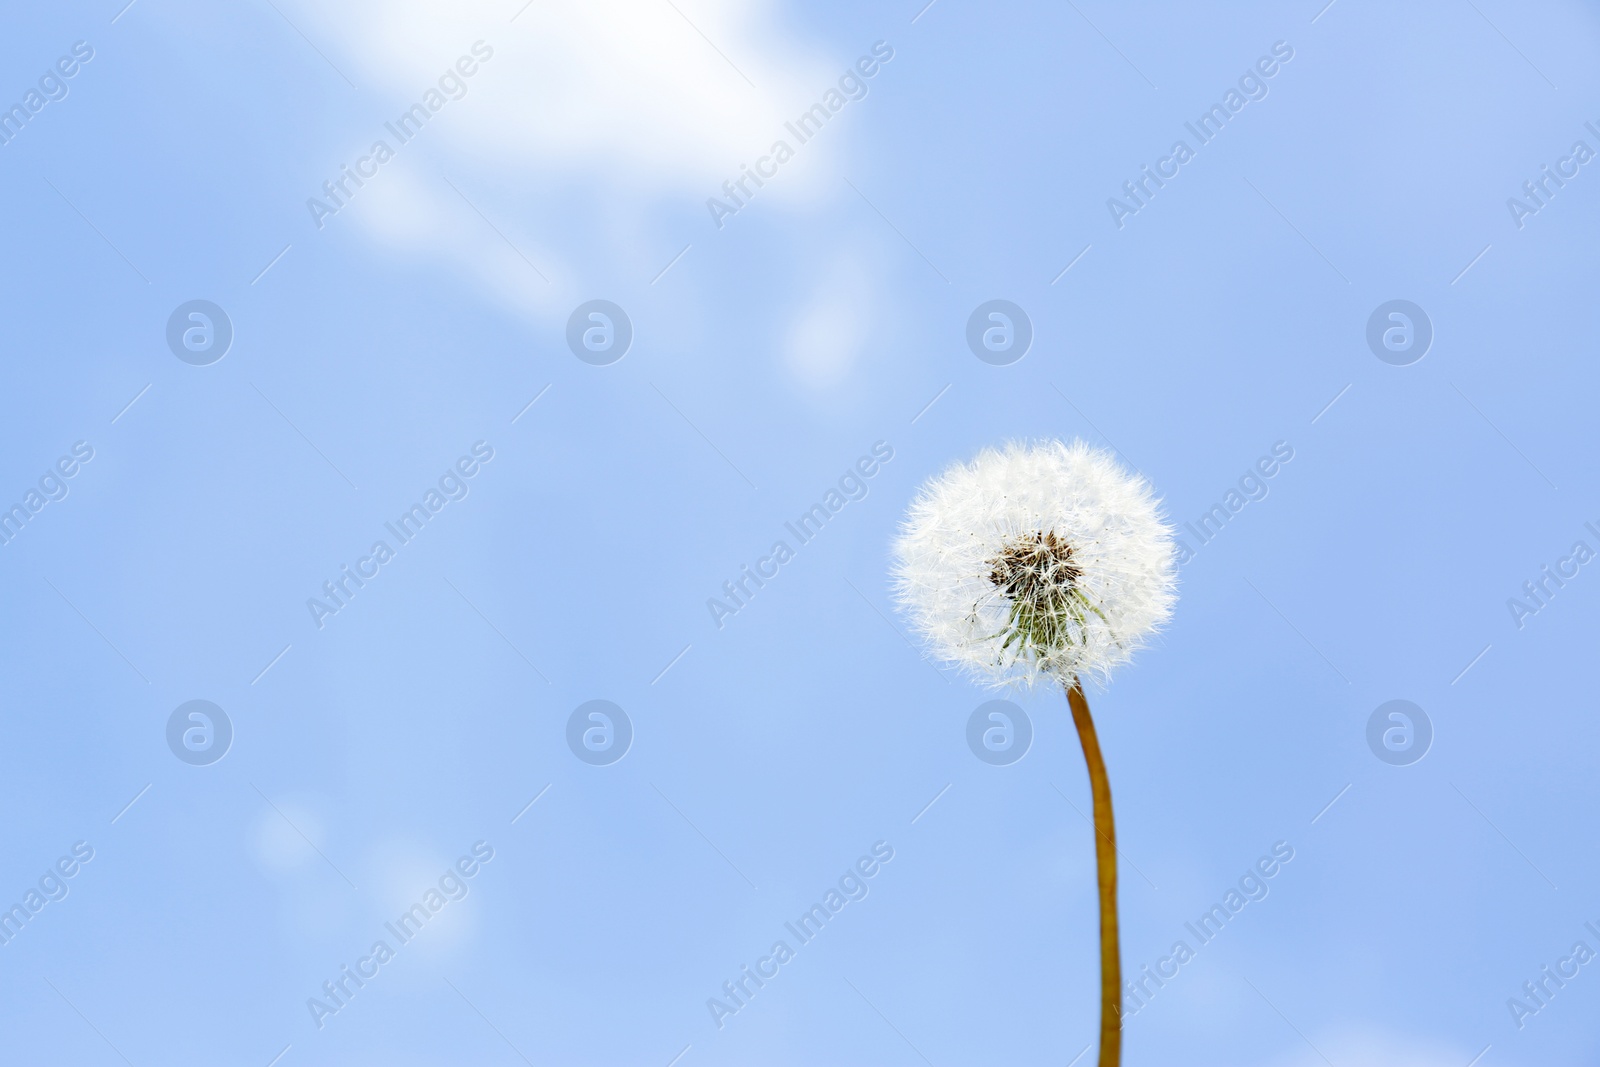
x=1105, y=854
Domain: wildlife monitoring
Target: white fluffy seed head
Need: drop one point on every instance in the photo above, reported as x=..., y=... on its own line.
x=1035, y=562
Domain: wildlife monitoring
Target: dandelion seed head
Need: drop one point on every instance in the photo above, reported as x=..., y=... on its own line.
x=1041, y=561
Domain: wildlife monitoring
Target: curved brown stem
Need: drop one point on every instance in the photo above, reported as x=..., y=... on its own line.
x=1105, y=855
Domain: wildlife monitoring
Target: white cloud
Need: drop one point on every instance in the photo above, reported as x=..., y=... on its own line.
x=625, y=88
x=1372, y=1048
x=833, y=328
x=622, y=107
x=279, y=844
x=401, y=872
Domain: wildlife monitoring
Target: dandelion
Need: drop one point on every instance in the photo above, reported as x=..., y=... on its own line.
x=1044, y=562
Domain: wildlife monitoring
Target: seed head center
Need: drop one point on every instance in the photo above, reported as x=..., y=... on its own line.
x=1034, y=568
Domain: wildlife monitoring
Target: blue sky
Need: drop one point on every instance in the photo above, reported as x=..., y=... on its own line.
x=424, y=324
